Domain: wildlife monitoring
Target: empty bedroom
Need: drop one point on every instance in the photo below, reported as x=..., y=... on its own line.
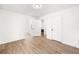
x=39, y=28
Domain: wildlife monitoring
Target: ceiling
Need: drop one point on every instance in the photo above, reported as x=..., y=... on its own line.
x=29, y=10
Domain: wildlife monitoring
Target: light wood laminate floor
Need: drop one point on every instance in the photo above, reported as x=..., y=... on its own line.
x=37, y=45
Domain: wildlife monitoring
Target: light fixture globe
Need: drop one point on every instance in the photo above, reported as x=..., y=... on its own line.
x=37, y=6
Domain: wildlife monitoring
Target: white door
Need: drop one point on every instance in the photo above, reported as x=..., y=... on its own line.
x=56, y=25
x=36, y=28
x=53, y=28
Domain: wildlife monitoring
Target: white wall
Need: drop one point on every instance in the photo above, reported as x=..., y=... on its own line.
x=65, y=26
x=70, y=19
x=13, y=26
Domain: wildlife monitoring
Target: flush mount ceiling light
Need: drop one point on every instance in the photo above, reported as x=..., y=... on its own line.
x=37, y=6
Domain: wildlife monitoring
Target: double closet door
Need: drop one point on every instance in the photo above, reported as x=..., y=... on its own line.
x=54, y=28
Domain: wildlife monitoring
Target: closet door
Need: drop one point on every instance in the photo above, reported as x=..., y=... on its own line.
x=56, y=28
x=36, y=28
x=53, y=28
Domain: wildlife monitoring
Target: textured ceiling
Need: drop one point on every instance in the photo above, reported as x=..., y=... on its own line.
x=29, y=10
